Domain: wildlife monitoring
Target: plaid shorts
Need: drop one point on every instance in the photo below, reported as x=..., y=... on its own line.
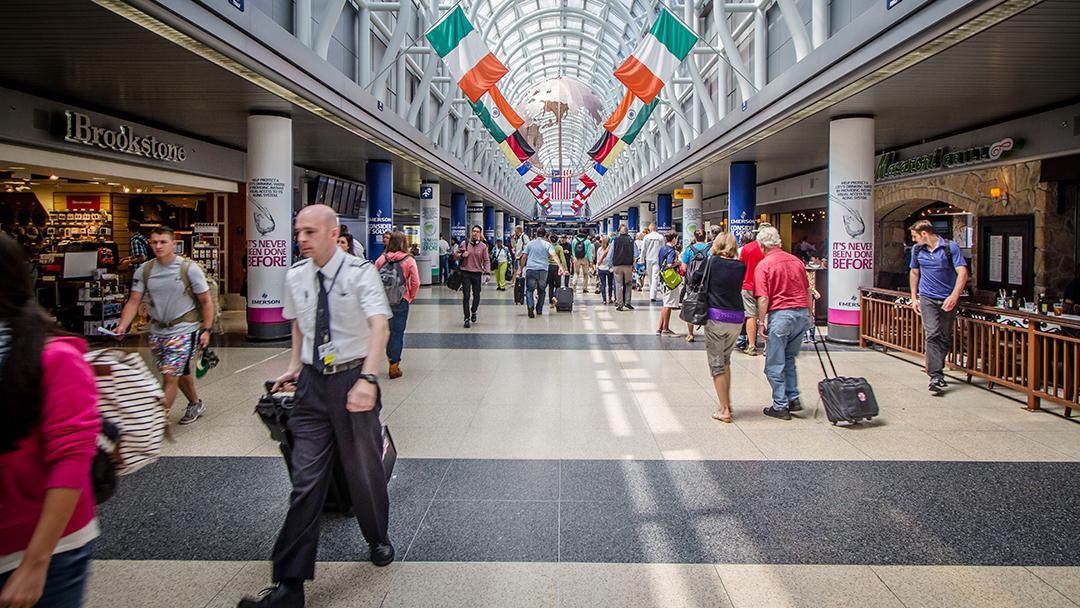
x=172, y=354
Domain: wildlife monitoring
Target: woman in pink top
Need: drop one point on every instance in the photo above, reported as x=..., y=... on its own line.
x=48, y=432
x=395, y=254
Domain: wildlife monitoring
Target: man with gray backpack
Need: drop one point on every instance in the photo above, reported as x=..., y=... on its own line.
x=182, y=309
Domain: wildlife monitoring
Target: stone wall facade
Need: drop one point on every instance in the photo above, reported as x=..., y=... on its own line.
x=970, y=191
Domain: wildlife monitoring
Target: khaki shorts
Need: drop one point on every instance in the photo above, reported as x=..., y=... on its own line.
x=749, y=303
x=720, y=340
x=672, y=296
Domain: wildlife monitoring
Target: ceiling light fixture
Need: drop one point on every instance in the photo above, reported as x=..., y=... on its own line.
x=53, y=178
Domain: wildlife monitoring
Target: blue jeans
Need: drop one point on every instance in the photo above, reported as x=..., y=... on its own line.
x=785, y=335
x=65, y=579
x=607, y=285
x=444, y=267
x=535, y=281
x=397, y=331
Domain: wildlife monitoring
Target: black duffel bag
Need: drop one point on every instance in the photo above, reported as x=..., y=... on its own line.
x=453, y=280
x=846, y=399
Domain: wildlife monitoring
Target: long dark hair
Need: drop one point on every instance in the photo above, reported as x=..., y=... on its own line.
x=20, y=371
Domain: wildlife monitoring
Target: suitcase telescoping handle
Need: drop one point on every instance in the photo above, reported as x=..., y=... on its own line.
x=827, y=355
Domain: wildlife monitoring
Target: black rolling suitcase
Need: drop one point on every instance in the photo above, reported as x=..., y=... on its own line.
x=274, y=410
x=519, y=290
x=564, y=299
x=846, y=399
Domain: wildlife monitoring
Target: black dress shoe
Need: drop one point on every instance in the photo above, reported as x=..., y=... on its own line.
x=467, y=324
x=794, y=405
x=382, y=554
x=474, y=317
x=278, y=596
x=772, y=412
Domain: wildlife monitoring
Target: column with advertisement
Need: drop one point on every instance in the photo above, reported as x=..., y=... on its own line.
x=690, y=194
x=851, y=222
x=742, y=198
x=429, y=231
x=269, y=224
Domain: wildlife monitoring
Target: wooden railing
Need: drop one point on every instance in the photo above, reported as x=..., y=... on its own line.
x=1031, y=359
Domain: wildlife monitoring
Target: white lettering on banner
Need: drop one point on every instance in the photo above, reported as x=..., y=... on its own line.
x=80, y=130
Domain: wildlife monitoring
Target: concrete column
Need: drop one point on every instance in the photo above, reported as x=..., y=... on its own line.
x=663, y=212
x=851, y=221
x=742, y=198
x=429, y=230
x=476, y=218
x=269, y=223
x=500, y=226
x=489, y=224
x=615, y=224
x=380, y=204
x=457, y=218
x=691, y=213
x=633, y=221
x=647, y=215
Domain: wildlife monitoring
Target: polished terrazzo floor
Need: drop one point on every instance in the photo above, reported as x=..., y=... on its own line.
x=570, y=460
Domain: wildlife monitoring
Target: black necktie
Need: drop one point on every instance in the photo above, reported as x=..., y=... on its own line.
x=322, y=322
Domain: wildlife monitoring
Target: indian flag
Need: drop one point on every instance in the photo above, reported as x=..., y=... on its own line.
x=656, y=57
x=496, y=114
x=629, y=117
x=465, y=53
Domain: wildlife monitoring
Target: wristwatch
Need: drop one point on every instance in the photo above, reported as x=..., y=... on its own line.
x=372, y=378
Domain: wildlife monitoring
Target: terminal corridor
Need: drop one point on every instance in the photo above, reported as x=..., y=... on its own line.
x=570, y=460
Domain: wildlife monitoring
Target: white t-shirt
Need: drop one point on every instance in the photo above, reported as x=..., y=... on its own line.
x=166, y=295
x=444, y=247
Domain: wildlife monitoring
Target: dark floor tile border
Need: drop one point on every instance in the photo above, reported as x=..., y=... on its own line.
x=768, y=512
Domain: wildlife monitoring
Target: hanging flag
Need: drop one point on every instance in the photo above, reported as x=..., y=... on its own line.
x=603, y=146
x=561, y=185
x=497, y=115
x=536, y=182
x=608, y=161
x=629, y=117
x=600, y=169
x=656, y=57
x=465, y=53
x=516, y=149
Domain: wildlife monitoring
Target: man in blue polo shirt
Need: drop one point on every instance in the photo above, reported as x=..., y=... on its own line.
x=938, y=275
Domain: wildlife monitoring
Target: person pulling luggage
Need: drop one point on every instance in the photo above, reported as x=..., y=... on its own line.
x=336, y=414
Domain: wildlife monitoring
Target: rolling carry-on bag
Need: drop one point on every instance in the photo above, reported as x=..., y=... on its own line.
x=564, y=299
x=519, y=290
x=846, y=399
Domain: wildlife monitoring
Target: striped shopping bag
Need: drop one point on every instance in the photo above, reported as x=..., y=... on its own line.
x=129, y=399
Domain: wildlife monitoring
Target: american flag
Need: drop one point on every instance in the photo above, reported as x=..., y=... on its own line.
x=562, y=185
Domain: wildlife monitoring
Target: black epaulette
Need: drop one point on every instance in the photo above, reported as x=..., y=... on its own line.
x=301, y=263
x=358, y=262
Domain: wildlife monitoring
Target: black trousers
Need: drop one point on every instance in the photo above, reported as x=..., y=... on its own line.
x=470, y=285
x=321, y=429
x=553, y=280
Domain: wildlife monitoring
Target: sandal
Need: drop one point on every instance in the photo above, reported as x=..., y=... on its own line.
x=717, y=415
x=690, y=338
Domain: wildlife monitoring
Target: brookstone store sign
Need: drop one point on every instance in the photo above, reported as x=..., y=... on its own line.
x=81, y=130
x=942, y=159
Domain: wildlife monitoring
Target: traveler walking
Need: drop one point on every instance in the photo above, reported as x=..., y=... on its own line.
x=582, y=249
x=938, y=275
x=621, y=255
x=603, y=272
x=693, y=258
x=784, y=306
x=724, y=291
x=182, y=312
x=336, y=413
x=669, y=259
x=474, y=261
x=49, y=425
x=650, y=254
x=751, y=255
x=555, y=261
x=501, y=262
x=401, y=281
x=535, y=264
x=444, y=259
x=138, y=246
x=518, y=242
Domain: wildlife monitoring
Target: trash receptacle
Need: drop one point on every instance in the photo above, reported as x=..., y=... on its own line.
x=423, y=266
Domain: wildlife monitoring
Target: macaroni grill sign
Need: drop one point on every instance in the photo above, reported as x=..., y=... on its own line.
x=888, y=167
x=81, y=130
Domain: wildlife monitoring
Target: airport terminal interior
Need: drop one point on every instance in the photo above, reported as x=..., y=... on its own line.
x=877, y=404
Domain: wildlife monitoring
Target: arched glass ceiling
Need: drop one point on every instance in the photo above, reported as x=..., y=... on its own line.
x=543, y=39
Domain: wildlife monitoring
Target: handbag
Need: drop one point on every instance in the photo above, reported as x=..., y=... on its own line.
x=672, y=278
x=695, y=306
x=453, y=280
x=509, y=273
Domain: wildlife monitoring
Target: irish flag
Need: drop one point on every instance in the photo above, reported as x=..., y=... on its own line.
x=629, y=117
x=496, y=114
x=656, y=57
x=466, y=54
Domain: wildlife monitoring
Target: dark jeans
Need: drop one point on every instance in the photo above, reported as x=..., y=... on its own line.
x=552, y=280
x=444, y=267
x=938, y=328
x=607, y=285
x=65, y=580
x=397, y=331
x=322, y=430
x=785, y=335
x=470, y=285
x=535, y=280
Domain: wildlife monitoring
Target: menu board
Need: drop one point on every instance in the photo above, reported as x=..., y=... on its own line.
x=997, y=243
x=1016, y=260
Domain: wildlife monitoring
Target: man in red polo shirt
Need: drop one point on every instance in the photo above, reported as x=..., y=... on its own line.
x=784, y=308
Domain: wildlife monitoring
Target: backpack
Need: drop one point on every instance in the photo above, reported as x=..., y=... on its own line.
x=579, y=248
x=193, y=315
x=699, y=258
x=130, y=402
x=393, y=280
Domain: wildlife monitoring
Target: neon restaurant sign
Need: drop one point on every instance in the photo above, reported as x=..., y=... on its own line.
x=889, y=167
